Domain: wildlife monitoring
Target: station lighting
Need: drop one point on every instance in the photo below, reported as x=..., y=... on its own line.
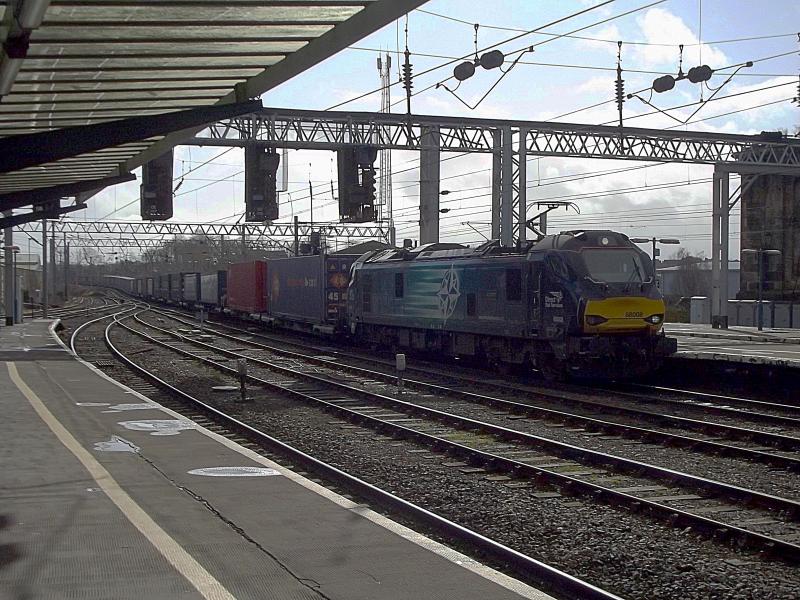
x=655, y=241
x=31, y=13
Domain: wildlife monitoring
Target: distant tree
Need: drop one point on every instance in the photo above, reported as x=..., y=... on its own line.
x=692, y=281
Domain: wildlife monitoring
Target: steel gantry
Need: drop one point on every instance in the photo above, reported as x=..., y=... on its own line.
x=149, y=234
x=511, y=143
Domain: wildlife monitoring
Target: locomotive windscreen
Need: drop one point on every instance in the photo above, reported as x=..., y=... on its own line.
x=615, y=265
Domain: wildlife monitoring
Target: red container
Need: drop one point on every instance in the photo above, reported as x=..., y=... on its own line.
x=247, y=289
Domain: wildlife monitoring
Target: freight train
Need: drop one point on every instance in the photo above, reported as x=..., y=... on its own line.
x=575, y=304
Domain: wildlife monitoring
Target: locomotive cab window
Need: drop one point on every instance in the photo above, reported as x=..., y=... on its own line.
x=615, y=265
x=513, y=285
x=398, y=285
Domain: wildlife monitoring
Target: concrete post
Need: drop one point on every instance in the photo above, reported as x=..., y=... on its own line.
x=429, y=181
x=52, y=273
x=719, y=248
x=507, y=190
x=66, y=270
x=8, y=271
x=45, y=286
x=496, y=180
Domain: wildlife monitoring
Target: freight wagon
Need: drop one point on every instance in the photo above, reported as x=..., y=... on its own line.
x=310, y=292
x=162, y=287
x=149, y=287
x=119, y=282
x=213, y=289
x=247, y=288
x=190, y=286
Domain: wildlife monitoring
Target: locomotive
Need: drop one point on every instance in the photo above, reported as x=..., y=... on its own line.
x=580, y=303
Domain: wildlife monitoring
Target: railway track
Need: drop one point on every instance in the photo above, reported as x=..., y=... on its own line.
x=745, y=517
x=548, y=578
x=770, y=413
x=751, y=444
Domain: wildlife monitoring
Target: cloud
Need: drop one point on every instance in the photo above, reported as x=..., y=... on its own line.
x=659, y=26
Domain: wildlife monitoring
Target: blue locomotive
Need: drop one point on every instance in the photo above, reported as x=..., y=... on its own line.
x=582, y=303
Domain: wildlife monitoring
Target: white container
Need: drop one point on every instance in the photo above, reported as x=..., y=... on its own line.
x=747, y=313
x=700, y=310
x=733, y=312
x=782, y=315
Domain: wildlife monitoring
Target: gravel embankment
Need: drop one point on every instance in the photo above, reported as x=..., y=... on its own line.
x=629, y=554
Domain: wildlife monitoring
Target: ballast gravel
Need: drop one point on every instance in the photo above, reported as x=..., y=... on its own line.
x=628, y=554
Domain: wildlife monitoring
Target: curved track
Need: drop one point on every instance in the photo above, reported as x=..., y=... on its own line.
x=550, y=579
x=437, y=429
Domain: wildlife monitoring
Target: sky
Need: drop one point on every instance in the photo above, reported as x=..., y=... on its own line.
x=559, y=76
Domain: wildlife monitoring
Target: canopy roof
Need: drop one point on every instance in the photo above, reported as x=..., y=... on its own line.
x=94, y=61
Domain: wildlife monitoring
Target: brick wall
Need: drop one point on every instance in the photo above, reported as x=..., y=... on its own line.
x=771, y=219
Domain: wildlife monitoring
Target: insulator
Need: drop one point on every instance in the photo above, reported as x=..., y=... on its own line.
x=663, y=84
x=407, y=76
x=464, y=71
x=619, y=86
x=699, y=74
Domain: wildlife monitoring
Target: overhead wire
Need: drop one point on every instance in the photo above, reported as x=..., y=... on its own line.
x=594, y=39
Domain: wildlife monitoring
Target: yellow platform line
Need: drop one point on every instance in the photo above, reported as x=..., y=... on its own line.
x=182, y=561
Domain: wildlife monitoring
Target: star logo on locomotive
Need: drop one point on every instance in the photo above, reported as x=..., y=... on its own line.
x=449, y=292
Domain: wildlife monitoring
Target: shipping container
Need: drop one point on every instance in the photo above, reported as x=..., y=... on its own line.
x=118, y=282
x=190, y=285
x=174, y=287
x=247, y=292
x=310, y=290
x=213, y=289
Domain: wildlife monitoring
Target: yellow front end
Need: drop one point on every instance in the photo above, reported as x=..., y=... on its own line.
x=627, y=314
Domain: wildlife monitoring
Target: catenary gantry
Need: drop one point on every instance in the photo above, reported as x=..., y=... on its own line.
x=92, y=89
x=511, y=143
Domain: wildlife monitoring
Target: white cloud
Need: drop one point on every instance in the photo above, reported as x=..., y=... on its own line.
x=659, y=26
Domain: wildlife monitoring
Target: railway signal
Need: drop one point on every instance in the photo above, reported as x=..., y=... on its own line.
x=156, y=190
x=261, y=184
x=357, y=183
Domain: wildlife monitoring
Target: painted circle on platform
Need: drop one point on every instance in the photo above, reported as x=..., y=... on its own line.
x=234, y=472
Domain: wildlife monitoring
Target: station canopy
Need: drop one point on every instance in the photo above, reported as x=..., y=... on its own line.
x=69, y=64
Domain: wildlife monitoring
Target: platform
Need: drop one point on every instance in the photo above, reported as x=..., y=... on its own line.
x=106, y=501
x=771, y=347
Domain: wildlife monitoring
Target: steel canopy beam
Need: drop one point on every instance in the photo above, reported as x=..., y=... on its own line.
x=55, y=192
x=22, y=151
x=37, y=215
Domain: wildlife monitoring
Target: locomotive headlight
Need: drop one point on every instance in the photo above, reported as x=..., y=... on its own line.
x=595, y=320
x=655, y=319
